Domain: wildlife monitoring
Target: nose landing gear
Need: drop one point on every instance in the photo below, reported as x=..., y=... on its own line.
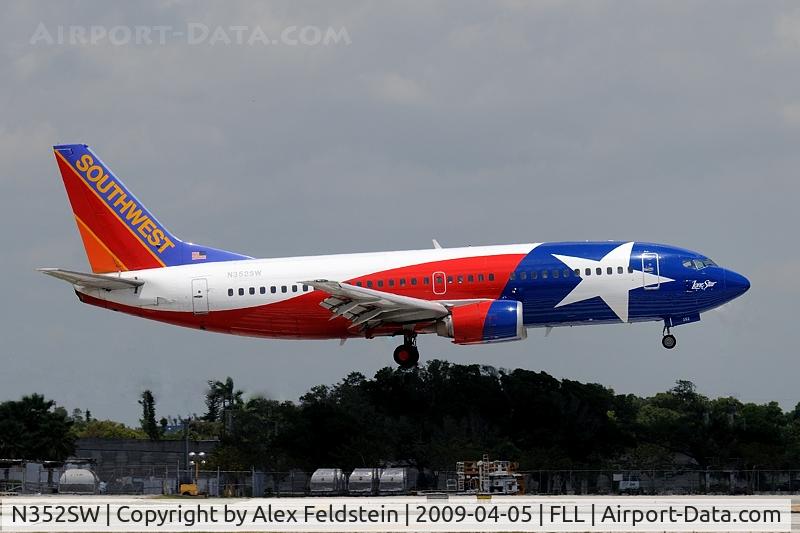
x=407, y=355
x=668, y=341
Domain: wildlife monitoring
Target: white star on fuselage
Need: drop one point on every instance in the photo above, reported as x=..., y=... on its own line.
x=612, y=288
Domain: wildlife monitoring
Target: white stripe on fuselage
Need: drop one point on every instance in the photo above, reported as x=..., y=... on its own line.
x=169, y=289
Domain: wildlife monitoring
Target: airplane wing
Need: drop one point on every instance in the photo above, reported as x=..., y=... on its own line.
x=91, y=281
x=370, y=308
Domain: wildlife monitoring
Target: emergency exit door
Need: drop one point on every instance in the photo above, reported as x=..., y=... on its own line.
x=650, y=266
x=200, y=296
x=439, y=283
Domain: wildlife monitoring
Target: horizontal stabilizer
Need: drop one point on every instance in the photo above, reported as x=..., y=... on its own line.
x=92, y=281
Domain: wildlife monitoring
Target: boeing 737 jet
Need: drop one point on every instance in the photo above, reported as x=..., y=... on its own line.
x=473, y=295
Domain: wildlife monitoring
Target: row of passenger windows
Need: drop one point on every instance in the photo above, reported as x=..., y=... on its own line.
x=557, y=273
x=273, y=289
x=460, y=278
x=402, y=282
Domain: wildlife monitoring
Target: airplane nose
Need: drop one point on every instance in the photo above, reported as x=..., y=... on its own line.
x=736, y=283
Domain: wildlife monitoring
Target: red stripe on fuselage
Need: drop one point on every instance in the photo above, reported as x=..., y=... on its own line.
x=457, y=274
x=302, y=317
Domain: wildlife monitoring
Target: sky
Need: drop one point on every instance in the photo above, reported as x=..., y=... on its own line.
x=297, y=128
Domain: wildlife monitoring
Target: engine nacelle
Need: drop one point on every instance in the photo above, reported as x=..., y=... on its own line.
x=484, y=322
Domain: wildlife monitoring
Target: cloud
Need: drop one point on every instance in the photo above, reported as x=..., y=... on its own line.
x=392, y=88
x=787, y=28
x=791, y=114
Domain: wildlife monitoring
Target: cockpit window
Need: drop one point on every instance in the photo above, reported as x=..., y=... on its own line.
x=698, y=263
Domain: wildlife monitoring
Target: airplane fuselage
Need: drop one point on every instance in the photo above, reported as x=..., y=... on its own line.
x=558, y=284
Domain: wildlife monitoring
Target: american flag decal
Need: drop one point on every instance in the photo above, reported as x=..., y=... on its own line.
x=196, y=256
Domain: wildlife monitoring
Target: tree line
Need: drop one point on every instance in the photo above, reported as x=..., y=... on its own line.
x=440, y=413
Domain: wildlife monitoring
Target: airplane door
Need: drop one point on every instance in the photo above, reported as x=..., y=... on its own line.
x=650, y=266
x=200, y=296
x=439, y=283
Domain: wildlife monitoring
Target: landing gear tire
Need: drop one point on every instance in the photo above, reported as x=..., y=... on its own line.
x=406, y=356
x=668, y=341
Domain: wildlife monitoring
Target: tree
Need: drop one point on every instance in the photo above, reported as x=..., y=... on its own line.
x=34, y=428
x=222, y=399
x=148, y=420
x=109, y=429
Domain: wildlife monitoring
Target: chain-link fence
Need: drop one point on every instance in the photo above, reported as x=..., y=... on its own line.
x=650, y=481
x=166, y=479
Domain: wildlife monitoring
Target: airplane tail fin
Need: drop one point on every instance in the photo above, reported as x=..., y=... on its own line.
x=117, y=230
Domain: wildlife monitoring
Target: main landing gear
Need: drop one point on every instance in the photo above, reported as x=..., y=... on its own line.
x=668, y=341
x=407, y=355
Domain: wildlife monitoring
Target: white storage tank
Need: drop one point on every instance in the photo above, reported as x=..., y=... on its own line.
x=77, y=481
x=363, y=482
x=399, y=480
x=327, y=482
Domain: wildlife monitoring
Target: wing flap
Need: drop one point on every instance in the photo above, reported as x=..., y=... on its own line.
x=366, y=307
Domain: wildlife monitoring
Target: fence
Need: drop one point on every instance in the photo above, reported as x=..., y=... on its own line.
x=296, y=482
x=165, y=479
x=676, y=482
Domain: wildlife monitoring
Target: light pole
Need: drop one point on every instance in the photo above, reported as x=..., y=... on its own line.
x=197, y=459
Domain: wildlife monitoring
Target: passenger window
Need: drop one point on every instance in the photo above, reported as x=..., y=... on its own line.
x=630, y=270
x=461, y=278
x=358, y=283
x=470, y=278
x=523, y=275
x=380, y=283
x=567, y=273
x=480, y=277
x=609, y=270
x=544, y=274
x=449, y=279
x=369, y=283
x=534, y=274
x=283, y=288
x=598, y=270
x=273, y=289
x=620, y=270
x=252, y=290
x=391, y=282
x=230, y=292
x=588, y=272
x=413, y=281
x=426, y=280
x=491, y=277
x=241, y=292
x=402, y=282
x=578, y=272
x=294, y=288
x=512, y=276
x=556, y=273
x=305, y=288
x=263, y=290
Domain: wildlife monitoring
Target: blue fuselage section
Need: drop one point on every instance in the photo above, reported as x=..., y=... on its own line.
x=570, y=283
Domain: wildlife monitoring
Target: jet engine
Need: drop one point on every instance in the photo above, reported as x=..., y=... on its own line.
x=484, y=322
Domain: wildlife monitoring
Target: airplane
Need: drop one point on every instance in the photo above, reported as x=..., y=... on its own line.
x=472, y=295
